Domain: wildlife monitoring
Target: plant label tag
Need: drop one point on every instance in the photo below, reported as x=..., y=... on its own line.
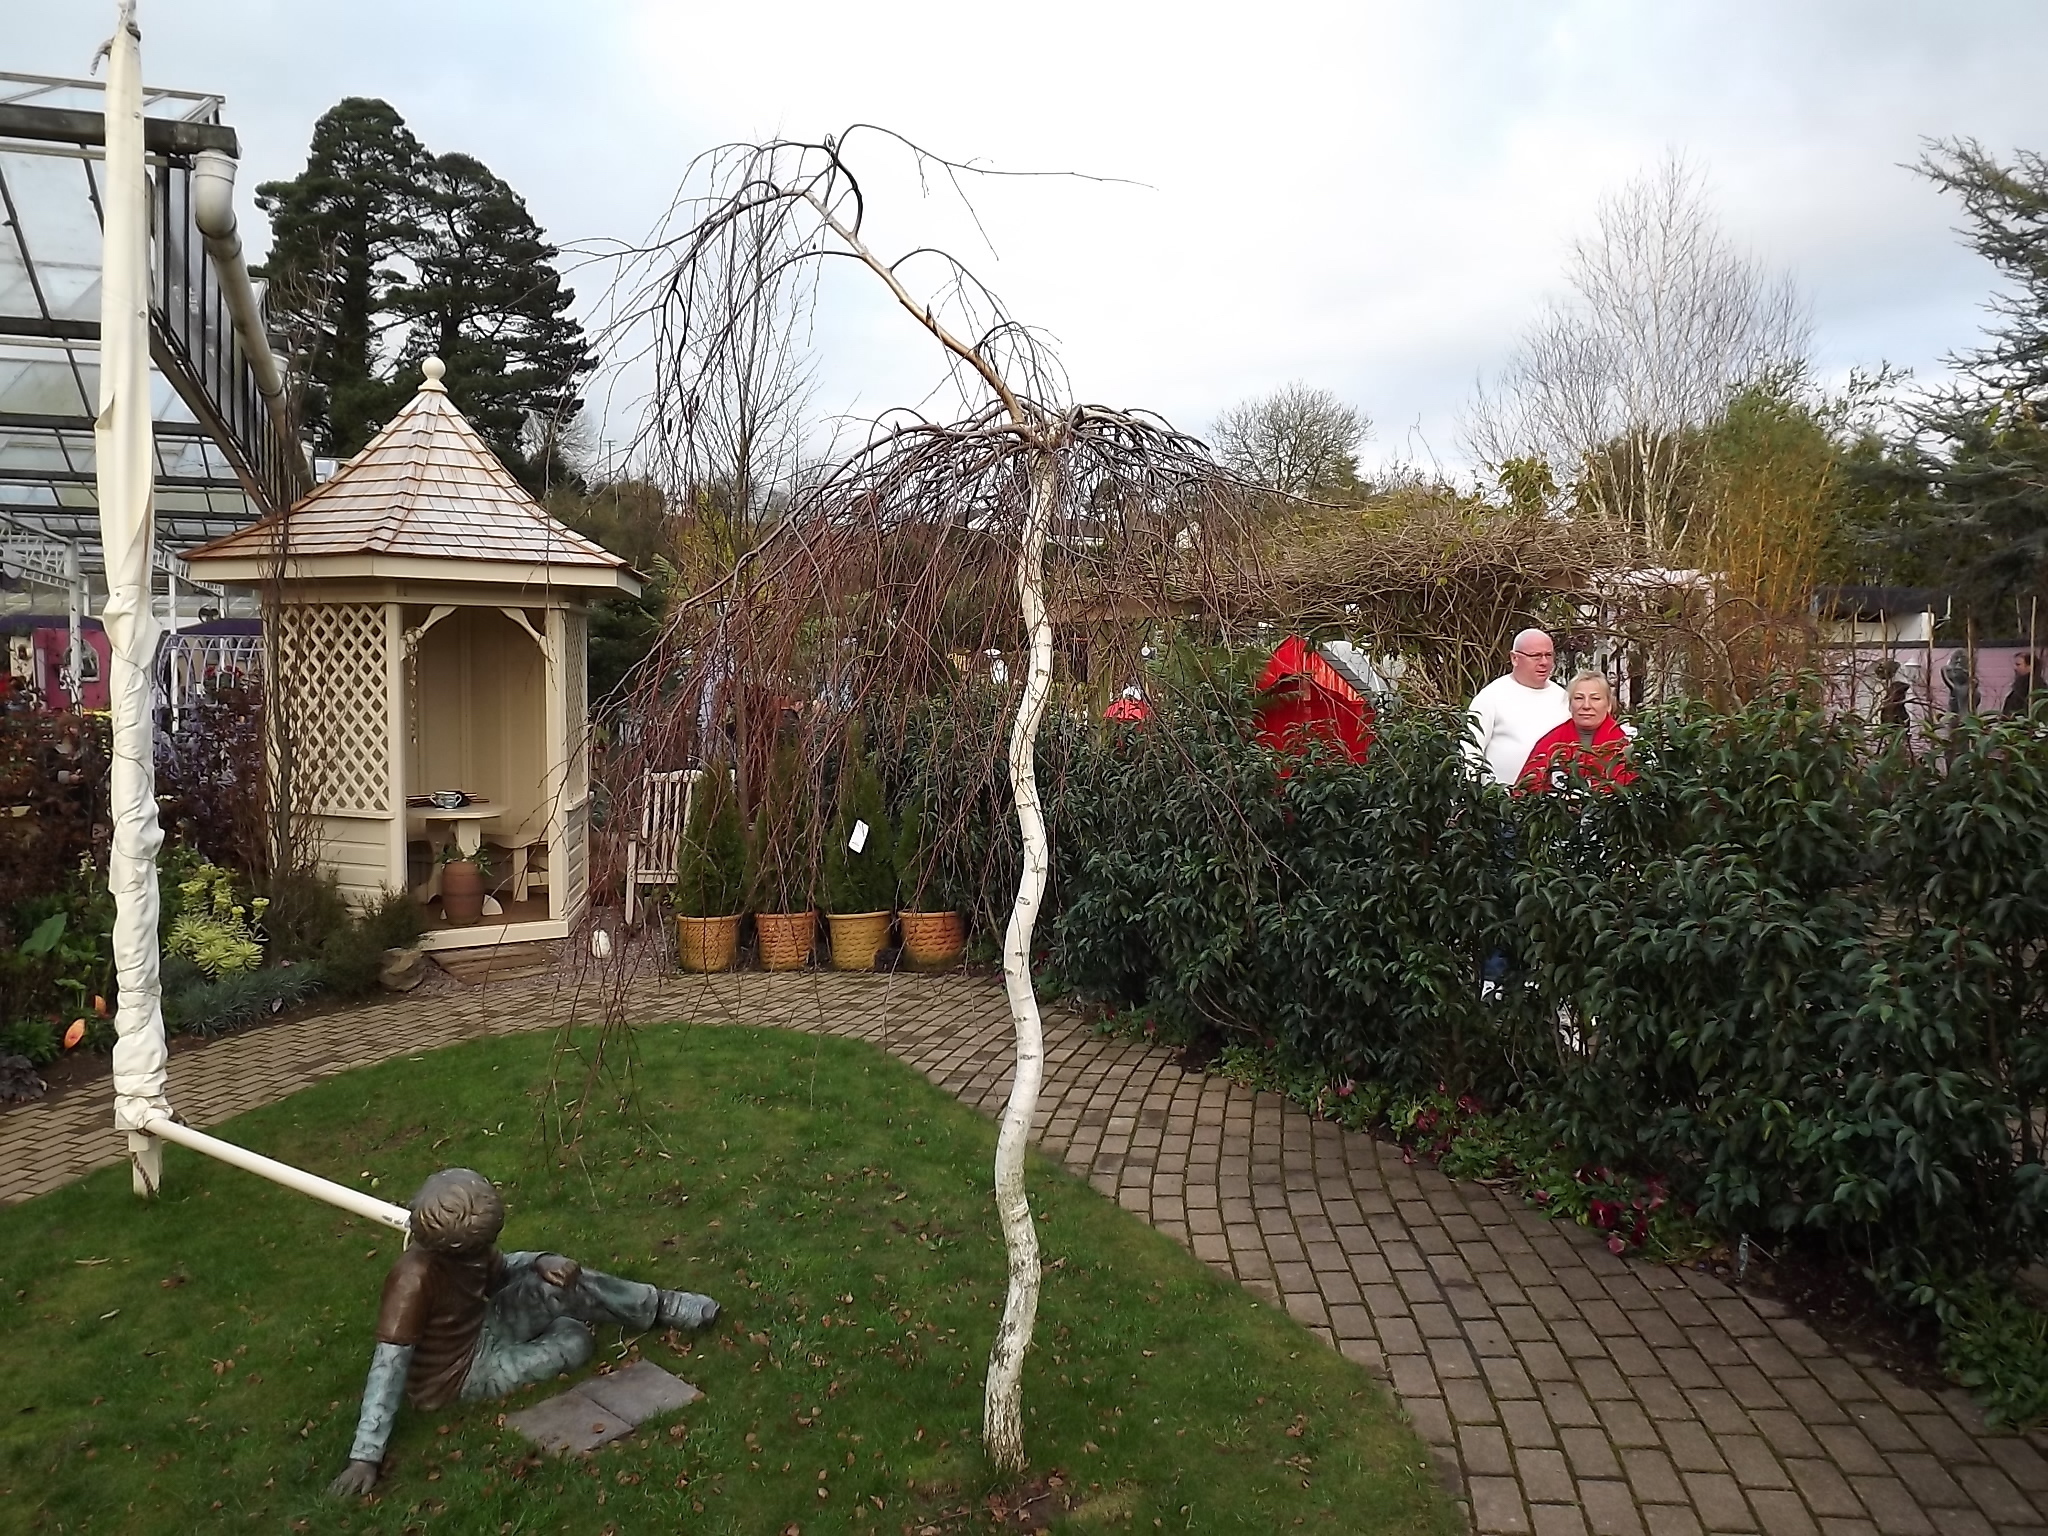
x=859, y=840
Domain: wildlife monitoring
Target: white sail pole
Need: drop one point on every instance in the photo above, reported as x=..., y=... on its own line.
x=123, y=445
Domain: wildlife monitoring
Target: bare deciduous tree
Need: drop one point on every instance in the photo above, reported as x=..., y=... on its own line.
x=1296, y=441
x=1665, y=321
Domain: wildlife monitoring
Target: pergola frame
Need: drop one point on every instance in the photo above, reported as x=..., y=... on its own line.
x=225, y=451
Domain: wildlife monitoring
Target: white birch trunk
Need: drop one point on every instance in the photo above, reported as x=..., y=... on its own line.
x=1003, y=1398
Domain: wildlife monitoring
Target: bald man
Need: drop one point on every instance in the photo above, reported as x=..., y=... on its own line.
x=1511, y=714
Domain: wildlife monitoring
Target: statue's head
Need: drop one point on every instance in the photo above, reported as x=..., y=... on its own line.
x=457, y=1210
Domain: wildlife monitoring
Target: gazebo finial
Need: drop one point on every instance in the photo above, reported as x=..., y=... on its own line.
x=433, y=368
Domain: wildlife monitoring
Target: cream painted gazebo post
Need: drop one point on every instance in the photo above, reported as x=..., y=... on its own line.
x=559, y=749
x=397, y=727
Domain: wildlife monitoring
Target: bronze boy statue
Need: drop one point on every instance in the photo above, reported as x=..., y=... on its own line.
x=461, y=1320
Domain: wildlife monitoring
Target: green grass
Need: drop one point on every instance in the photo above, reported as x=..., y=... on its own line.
x=198, y=1362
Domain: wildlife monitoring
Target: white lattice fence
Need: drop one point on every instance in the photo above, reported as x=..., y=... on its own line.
x=576, y=700
x=334, y=664
x=575, y=859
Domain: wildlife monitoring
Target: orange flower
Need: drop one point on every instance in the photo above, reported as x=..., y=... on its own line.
x=74, y=1034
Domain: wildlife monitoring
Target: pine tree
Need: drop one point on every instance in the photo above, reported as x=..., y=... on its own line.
x=2008, y=209
x=488, y=302
x=336, y=230
x=383, y=254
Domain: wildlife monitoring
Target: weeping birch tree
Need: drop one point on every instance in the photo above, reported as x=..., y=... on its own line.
x=848, y=593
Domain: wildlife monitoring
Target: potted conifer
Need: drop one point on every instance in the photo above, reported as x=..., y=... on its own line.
x=934, y=933
x=711, y=874
x=860, y=864
x=781, y=886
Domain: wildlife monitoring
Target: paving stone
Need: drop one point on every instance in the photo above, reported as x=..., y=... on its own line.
x=1780, y=1513
x=1671, y=1520
x=1485, y=1450
x=639, y=1391
x=1610, y=1509
x=1719, y=1502
x=1497, y=1506
x=2021, y=1462
x=569, y=1422
x=1692, y=1448
x=1653, y=1477
x=1994, y=1493
x=1930, y=1484
x=1892, y=1507
x=1751, y=1459
x=1545, y=1477
x=1591, y=1453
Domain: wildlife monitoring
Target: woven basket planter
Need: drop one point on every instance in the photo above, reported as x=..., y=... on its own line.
x=933, y=941
x=857, y=937
x=785, y=939
x=707, y=943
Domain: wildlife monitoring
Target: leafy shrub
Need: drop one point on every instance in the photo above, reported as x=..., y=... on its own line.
x=1791, y=976
x=352, y=956
x=1995, y=1342
x=34, y=1038
x=237, y=999
x=213, y=929
x=306, y=909
x=212, y=782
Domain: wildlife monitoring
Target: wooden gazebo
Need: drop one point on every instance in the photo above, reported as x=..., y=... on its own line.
x=432, y=638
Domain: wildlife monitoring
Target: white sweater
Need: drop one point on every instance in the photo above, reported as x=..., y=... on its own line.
x=1505, y=719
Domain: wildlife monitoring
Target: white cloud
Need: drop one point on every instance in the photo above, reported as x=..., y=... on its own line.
x=1369, y=196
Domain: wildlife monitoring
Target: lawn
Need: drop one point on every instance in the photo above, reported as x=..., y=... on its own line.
x=199, y=1361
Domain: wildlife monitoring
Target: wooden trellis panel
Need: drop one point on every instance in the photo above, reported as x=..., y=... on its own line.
x=576, y=701
x=334, y=659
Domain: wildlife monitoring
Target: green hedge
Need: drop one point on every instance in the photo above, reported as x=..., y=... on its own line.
x=1792, y=969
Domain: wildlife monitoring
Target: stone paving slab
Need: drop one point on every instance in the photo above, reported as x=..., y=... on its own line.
x=570, y=1423
x=1563, y=1391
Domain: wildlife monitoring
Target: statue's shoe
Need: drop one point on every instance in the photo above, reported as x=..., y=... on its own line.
x=685, y=1309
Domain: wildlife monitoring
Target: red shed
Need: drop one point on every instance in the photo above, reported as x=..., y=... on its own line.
x=1312, y=701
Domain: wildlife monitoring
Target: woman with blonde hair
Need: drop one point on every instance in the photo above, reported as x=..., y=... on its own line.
x=1591, y=741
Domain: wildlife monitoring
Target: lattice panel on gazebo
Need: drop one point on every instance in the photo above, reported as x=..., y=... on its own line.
x=576, y=700
x=334, y=655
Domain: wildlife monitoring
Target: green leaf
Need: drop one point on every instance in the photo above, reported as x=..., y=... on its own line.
x=47, y=933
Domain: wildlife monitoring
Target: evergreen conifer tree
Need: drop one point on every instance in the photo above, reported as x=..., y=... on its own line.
x=383, y=254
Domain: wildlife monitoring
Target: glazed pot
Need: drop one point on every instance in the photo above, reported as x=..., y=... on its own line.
x=707, y=943
x=785, y=939
x=462, y=893
x=857, y=937
x=933, y=941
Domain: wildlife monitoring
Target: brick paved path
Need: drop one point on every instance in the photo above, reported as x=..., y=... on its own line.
x=1562, y=1390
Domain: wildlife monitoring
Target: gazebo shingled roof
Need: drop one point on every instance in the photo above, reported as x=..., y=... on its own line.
x=426, y=487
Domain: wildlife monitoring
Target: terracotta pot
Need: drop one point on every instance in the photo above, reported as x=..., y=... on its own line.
x=857, y=937
x=708, y=943
x=462, y=893
x=785, y=939
x=934, y=941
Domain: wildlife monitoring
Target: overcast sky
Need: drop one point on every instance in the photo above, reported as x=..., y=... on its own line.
x=1372, y=198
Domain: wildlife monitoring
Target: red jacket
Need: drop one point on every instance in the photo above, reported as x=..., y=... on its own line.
x=1602, y=763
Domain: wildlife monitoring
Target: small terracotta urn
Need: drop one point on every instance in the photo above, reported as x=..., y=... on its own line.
x=462, y=893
